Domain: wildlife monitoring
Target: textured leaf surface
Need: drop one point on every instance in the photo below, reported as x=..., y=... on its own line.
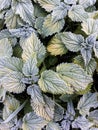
x=4, y=4
x=8, y=65
x=50, y=27
x=10, y=105
x=42, y=106
x=51, y=82
x=93, y=116
x=32, y=46
x=33, y=122
x=30, y=67
x=77, y=13
x=87, y=3
x=90, y=26
x=90, y=68
x=60, y=12
x=56, y=46
x=5, y=48
x=24, y=9
x=72, y=41
x=74, y=75
x=12, y=20
x=86, y=102
x=49, y=5
x=82, y=123
x=53, y=126
x=12, y=82
x=96, y=49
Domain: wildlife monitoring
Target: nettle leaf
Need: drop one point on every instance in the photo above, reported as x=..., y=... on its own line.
x=70, y=113
x=93, y=116
x=12, y=82
x=9, y=65
x=90, y=26
x=33, y=46
x=65, y=124
x=56, y=46
x=86, y=102
x=77, y=13
x=10, y=105
x=72, y=41
x=33, y=122
x=60, y=12
x=49, y=5
x=70, y=1
x=4, y=4
x=39, y=12
x=87, y=3
x=87, y=46
x=95, y=48
x=50, y=27
x=38, y=24
x=69, y=117
x=90, y=68
x=12, y=20
x=5, y=48
x=30, y=67
x=74, y=75
x=22, y=32
x=53, y=126
x=51, y=82
x=25, y=9
x=86, y=54
x=58, y=112
x=2, y=94
x=82, y=123
x=42, y=106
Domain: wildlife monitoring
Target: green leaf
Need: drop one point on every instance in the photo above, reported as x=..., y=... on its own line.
x=90, y=26
x=58, y=112
x=56, y=46
x=5, y=48
x=93, y=116
x=50, y=27
x=59, y=12
x=9, y=65
x=90, y=68
x=49, y=5
x=30, y=67
x=77, y=13
x=12, y=20
x=33, y=122
x=95, y=48
x=2, y=94
x=25, y=10
x=87, y=46
x=38, y=24
x=70, y=1
x=72, y=41
x=4, y=4
x=10, y=105
x=33, y=46
x=82, y=123
x=87, y=3
x=74, y=75
x=53, y=126
x=86, y=102
x=42, y=106
x=12, y=82
x=87, y=55
x=51, y=82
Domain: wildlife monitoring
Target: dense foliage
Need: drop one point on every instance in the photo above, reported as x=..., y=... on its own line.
x=48, y=64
